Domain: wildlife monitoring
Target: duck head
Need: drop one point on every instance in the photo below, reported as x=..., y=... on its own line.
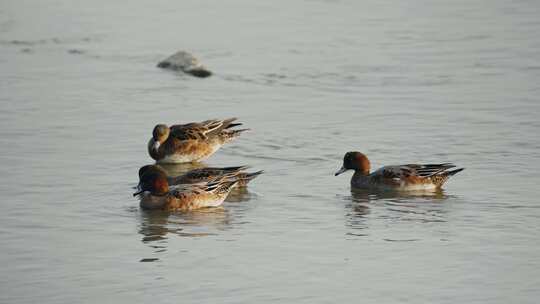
x=159, y=136
x=355, y=161
x=150, y=168
x=153, y=181
x=160, y=133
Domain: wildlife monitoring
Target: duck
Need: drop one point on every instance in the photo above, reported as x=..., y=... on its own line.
x=156, y=193
x=400, y=177
x=203, y=174
x=195, y=141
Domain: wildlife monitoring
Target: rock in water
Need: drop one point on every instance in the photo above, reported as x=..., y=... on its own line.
x=184, y=61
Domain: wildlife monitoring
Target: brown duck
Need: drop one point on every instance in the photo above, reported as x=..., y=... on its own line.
x=191, y=142
x=156, y=193
x=400, y=177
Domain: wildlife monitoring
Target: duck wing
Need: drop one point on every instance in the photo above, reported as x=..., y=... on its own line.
x=409, y=172
x=426, y=170
x=205, y=174
x=184, y=190
x=215, y=185
x=201, y=130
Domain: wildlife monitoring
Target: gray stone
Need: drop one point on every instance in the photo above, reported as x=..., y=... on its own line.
x=185, y=62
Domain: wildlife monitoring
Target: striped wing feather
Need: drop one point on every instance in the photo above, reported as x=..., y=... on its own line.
x=411, y=171
x=218, y=185
x=200, y=130
x=209, y=173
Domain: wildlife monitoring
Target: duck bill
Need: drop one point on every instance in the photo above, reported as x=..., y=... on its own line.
x=138, y=192
x=343, y=169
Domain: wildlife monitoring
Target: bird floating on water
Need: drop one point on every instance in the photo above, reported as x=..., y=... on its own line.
x=401, y=177
x=156, y=193
x=191, y=142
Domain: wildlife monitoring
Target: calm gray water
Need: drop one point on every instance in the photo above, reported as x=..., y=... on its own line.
x=402, y=81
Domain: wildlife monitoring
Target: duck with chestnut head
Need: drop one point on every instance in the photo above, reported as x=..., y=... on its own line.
x=400, y=177
x=156, y=193
x=191, y=142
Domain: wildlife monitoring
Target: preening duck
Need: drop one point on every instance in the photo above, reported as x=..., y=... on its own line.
x=191, y=142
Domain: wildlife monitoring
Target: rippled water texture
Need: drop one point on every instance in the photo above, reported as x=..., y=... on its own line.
x=402, y=81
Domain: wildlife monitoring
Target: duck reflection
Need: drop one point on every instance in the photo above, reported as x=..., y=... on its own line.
x=391, y=206
x=361, y=195
x=238, y=195
x=179, y=169
x=156, y=226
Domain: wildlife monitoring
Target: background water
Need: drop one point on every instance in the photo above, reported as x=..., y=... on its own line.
x=415, y=81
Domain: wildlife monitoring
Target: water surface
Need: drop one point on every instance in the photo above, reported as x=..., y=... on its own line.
x=422, y=81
